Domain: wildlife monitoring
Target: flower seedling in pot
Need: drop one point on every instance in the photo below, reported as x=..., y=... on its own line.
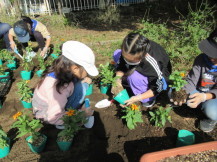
x=132, y=116
x=24, y=91
x=178, y=82
x=160, y=116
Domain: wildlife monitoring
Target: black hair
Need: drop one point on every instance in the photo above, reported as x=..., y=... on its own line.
x=27, y=20
x=21, y=24
x=135, y=43
x=62, y=69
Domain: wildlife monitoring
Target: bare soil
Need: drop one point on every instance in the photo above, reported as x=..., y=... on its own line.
x=179, y=96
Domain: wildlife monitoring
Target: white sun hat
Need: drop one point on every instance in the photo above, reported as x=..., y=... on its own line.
x=81, y=54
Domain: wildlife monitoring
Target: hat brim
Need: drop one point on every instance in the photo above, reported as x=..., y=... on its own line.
x=24, y=39
x=92, y=71
x=209, y=48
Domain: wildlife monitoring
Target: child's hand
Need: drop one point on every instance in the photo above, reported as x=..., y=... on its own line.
x=88, y=111
x=116, y=89
x=132, y=100
x=196, y=99
x=87, y=80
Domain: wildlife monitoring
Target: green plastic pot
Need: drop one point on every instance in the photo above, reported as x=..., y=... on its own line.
x=12, y=65
x=55, y=55
x=1, y=62
x=26, y=75
x=26, y=105
x=89, y=90
x=122, y=96
x=5, y=151
x=37, y=149
x=104, y=88
x=185, y=138
x=64, y=146
x=3, y=76
x=39, y=73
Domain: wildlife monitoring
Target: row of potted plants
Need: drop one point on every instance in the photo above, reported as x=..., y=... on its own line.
x=28, y=126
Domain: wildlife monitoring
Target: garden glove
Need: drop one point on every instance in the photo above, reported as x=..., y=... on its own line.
x=133, y=99
x=44, y=52
x=117, y=88
x=196, y=99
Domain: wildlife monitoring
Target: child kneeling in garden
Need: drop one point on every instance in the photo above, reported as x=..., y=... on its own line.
x=143, y=66
x=202, y=83
x=64, y=84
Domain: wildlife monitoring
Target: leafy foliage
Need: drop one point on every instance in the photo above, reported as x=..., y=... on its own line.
x=106, y=73
x=2, y=70
x=133, y=116
x=160, y=116
x=3, y=139
x=42, y=63
x=178, y=80
x=27, y=125
x=73, y=121
x=24, y=91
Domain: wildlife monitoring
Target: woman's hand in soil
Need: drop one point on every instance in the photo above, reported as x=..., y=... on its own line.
x=178, y=103
x=88, y=111
x=196, y=99
x=87, y=80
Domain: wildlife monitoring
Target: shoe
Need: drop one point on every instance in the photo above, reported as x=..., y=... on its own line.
x=60, y=126
x=207, y=125
x=149, y=103
x=90, y=122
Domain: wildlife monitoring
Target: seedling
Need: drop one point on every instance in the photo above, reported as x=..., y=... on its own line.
x=160, y=116
x=133, y=116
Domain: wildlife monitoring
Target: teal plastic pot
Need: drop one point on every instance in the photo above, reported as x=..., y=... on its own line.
x=89, y=90
x=3, y=76
x=1, y=62
x=26, y=105
x=37, y=149
x=185, y=138
x=55, y=55
x=5, y=151
x=104, y=88
x=122, y=96
x=39, y=73
x=64, y=146
x=12, y=65
x=26, y=75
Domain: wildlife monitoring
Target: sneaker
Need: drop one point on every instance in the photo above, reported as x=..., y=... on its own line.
x=90, y=122
x=149, y=103
x=60, y=126
x=207, y=125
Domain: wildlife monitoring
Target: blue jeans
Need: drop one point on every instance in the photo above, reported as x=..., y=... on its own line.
x=4, y=29
x=209, y=107
x=77, y=98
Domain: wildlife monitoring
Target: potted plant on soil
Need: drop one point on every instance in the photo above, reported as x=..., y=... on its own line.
x=42, y=66
x=160, y=116
x=30, y=126
x=106, y=73
x=11, y=62
x=185, y=153
x=178, y=82
x=132, y=116
x=4, y=144
x=2, y=56
x=25, y=93
x=56, y=51
x=26, y=64
x=73, y=121
x=4, y=76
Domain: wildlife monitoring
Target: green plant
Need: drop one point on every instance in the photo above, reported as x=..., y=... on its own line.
x=133, y=116
x=42, y=64
x=24, y=91
x=73, y=121
x=56, y=49
x=160, y=116
x=2, y=54
x=3, y=139
x=8, y=56
x=177, y=79
x=2, y=70
x=106, y=73
x=27, y=125
x=26, y=63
